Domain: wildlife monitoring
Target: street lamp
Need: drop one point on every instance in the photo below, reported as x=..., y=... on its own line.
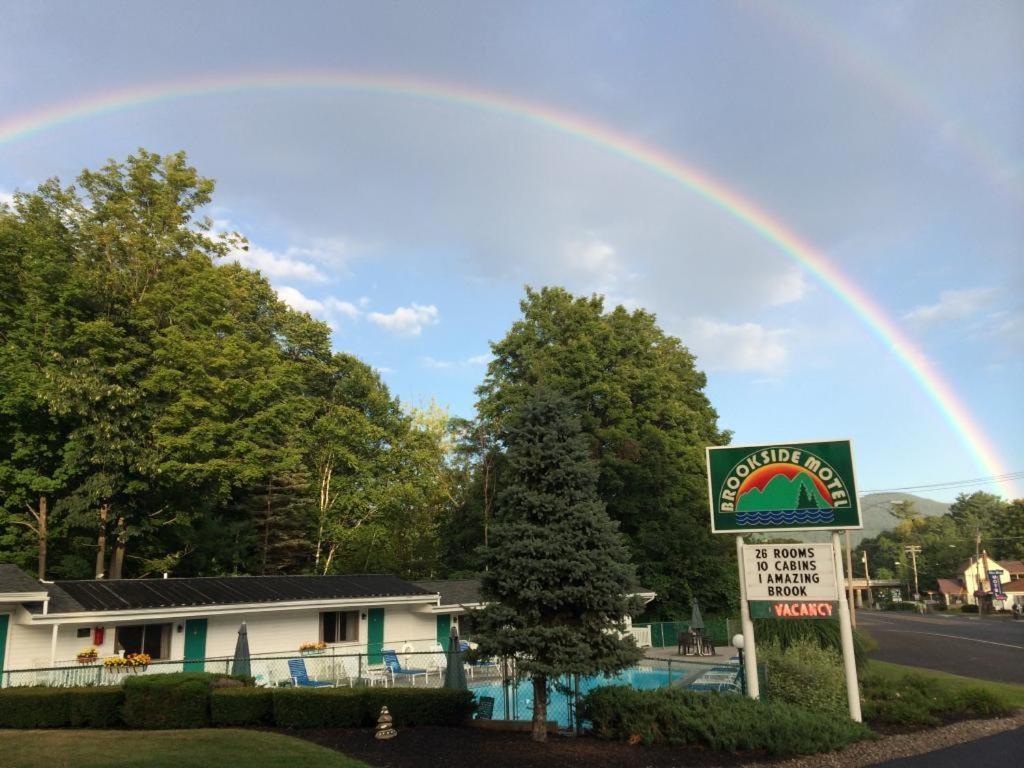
x=737, y=641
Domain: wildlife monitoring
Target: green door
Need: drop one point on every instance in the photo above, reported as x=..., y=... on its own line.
x=4, y=620
x=444, y=629
x=195, y=645
x=374, y=635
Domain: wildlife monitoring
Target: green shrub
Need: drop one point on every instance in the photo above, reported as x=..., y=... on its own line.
x=420, y=706
x=940, y=607
x=902, y=605
x=724, y=722
x=319, y=707
x=241, y=706
x=180, y=700
x=34, y=707
x=968, y=609
x=916, y=700
x=805, y=674
x=825, y=633
x=98, y=707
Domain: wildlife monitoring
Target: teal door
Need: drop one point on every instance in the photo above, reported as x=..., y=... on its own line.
x=195, y=645
x=374, y=635
x=4, y=620
x=444, y=630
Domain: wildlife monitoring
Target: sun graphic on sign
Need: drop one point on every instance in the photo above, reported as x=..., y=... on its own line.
x=782, y=486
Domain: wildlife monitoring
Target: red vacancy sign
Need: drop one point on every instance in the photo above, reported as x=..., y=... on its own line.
x=802, y=610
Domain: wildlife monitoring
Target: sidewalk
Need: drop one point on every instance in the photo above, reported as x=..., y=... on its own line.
x=670, y=653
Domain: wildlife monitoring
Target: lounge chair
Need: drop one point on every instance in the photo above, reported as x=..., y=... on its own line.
x=396, y=670
x=300, y=678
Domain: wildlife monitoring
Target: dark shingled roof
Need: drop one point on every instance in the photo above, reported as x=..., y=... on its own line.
x=129, y=594
x=13, y=579
x=455, y=591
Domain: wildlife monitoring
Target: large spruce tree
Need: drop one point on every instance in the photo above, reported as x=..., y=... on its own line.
x=558, y=578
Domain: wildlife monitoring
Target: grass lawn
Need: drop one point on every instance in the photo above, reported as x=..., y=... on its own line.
x=1010, y=691
x=163, y=749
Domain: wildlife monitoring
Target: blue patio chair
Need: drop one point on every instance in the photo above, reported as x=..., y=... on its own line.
x=300, y=678
x=395, y=668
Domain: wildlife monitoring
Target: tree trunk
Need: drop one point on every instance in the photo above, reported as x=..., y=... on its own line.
x=42, y=537
x=487, y=496
x=101, y=541
x=540, y=708
x=117, y=556
x=266, y=525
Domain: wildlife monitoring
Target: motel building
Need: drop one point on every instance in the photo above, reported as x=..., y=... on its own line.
x=193, y=623
x=975, y=580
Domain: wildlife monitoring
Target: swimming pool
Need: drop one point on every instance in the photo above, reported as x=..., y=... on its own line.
x=560, y=701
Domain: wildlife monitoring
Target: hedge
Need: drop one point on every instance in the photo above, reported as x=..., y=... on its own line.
x=411, y=706
x=166, y=701
x=98, y=707
x=192, y=700
x=724, y=722
x=241, y=706
x=318, y=707
x=35, y=707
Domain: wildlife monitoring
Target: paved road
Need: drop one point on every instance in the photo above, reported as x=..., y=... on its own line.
x=991, y=649
x=999, y=751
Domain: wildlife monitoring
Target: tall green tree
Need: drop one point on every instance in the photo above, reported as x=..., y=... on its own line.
x=557, y=574
x=648, y=420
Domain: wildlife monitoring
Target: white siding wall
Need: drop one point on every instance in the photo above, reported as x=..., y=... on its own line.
x=270, y=633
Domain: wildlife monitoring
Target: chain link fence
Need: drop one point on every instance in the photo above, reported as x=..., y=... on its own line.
x=500, y=680
x=665, y=634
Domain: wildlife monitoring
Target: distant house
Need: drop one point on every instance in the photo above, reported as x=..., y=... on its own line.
x=974, y=582
x=189, y=620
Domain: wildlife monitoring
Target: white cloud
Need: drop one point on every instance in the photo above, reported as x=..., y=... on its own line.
x=739, y=347
x=346, y=308
x=786, y=288
x=294, y=298
x=406, y=321
x=286, y=266
x=430, y=362
x=594, y=257
x=480, y=359
x=6, y=198
x=952, y=305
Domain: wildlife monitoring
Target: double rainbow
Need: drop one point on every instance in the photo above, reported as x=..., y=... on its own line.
x=714, y=192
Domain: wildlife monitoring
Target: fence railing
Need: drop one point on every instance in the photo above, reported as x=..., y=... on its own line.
x=500, y=679
x=642, y=636
x=665, y=633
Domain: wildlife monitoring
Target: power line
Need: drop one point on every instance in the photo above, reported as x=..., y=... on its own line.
x=990, y=480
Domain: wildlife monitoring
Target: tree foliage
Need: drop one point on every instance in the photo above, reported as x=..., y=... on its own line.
x=169, y=413
x=647, y=419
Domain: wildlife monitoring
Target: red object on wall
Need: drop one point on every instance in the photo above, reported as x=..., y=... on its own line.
x=97, y=636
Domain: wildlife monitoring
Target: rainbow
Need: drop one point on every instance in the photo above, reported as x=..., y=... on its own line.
x=712, y=191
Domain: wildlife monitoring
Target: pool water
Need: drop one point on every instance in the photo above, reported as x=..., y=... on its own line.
x=560, y=703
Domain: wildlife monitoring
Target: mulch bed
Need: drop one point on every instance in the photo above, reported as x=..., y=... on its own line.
x=472, y=748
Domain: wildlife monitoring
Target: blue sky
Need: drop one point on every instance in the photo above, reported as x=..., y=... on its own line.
x=890, y=135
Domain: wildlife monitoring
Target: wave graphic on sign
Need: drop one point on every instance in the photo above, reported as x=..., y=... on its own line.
x=786, y=516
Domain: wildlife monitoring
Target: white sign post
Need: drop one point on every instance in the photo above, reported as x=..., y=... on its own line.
x=753, y=685
x=846, y=637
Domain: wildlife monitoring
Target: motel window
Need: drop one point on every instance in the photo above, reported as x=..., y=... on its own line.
x=153, y=639
x=339, y=627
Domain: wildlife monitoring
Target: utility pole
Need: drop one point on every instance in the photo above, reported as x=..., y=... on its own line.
x=867, y=577
x=912, y=551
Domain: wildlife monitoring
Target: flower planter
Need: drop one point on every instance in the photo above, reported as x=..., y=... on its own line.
x=312, y=652
x=86, y=659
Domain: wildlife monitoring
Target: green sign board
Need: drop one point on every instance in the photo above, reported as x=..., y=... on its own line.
x=762, y=609
x=782, y=487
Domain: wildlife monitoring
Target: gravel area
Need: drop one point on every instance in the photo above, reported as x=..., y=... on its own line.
x=867, y=753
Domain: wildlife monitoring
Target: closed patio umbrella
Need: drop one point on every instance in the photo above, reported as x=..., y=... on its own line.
x=696, y=621
x=240, y=663
x=454, y=673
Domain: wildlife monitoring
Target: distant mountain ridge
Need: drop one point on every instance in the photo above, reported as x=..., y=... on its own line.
x=783, y=493
x=876, y=517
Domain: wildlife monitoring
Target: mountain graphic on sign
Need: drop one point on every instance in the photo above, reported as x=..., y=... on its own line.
x=782, y=492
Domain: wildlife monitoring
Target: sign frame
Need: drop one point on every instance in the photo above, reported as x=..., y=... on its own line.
x=849, y=486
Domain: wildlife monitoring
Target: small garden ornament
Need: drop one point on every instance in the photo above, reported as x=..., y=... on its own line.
x=384, y=728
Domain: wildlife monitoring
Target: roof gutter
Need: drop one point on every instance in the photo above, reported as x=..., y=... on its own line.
x=227, y=610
